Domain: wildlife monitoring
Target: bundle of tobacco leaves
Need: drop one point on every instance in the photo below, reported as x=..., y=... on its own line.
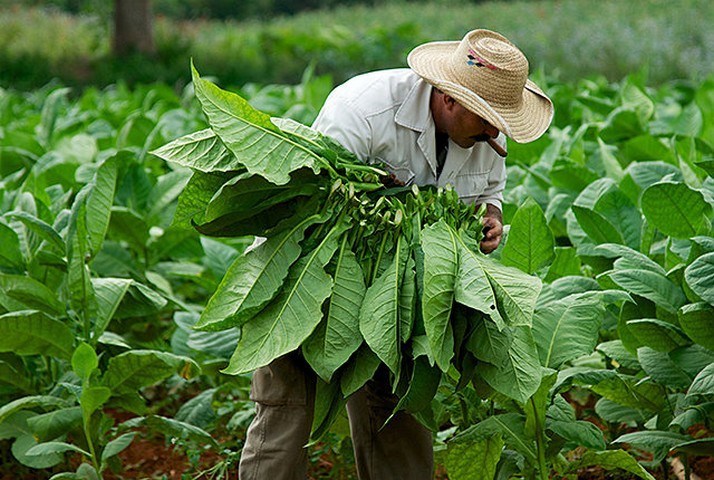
x=352, y=273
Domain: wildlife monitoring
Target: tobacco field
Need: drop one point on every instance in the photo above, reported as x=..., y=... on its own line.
x=119, y=233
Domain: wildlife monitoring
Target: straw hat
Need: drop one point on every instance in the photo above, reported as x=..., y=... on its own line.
x=488, y=75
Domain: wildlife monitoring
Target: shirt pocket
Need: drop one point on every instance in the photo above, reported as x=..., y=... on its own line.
x=403, y=172
x=471, y=185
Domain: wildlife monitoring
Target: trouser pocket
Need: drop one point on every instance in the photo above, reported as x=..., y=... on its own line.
x=283, y=382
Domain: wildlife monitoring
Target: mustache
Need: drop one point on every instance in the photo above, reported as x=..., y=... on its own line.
x=482, y=137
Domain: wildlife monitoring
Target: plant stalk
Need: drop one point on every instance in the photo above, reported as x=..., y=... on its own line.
x=540, y=443
x=90, y=443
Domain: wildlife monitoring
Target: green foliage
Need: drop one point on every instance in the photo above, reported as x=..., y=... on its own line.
x=87, y=254
x=663, y=41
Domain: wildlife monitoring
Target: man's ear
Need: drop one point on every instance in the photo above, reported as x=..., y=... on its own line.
x=449, y=101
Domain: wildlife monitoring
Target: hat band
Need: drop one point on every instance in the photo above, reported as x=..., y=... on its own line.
x=471, y=94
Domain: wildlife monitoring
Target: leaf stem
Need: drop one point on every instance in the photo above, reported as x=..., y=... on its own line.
x=375, y=267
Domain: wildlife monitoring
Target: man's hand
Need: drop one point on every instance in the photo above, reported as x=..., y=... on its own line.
x=391, y=180
x=492, y=228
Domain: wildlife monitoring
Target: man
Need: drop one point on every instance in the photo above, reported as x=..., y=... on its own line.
x=443, y=121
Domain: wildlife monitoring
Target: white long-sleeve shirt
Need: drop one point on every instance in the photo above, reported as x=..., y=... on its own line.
x=384, y=116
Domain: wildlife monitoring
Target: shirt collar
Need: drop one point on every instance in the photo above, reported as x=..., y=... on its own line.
x=414, y=113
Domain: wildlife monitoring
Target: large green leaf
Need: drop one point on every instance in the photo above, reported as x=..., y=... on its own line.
x=425, y=380
x=408, y=300
x=579, y=432
x=519, y=377
x=473, y=287
x=622, y=123
x=31, y=403
x=245, y=197
x=40, y=228
x=567, y=329
x=250, y=135
x=100, y=200
x=703, y=384
x=653, y=286
x=516, y=293
x=51, y=425
x=293, y=314
x=565, y=263
x=628, y=258
x=490, y=344
x=697, y=321
x=511, y=427
x=29, y=332
x=79, y=281
x=640, y=175
x=202, y=151
x=10, y=253
x=441, y=263
x=613, y=412
x=109, y=294
x=675, y=209
x=530, y=241
x=20, y=292
x=136, y=369
x=658, y=334
x=474, y=460
x=692, y=359
x=359, y=369
x=196, y=196
x=338, y=336
x=627, y=391
x=657, y=442
x=596, y=226
x=660, y=367
x=379, y=313
x=328, y=403
x=253, y=280
x=592, y=194
x=700, y=277
x=620, y=211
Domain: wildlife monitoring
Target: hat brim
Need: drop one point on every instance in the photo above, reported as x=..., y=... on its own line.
x=523, y=124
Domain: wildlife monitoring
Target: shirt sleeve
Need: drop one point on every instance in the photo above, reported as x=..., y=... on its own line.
x=343, y=121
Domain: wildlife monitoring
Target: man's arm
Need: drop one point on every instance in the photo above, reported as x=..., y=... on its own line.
x=492, y=228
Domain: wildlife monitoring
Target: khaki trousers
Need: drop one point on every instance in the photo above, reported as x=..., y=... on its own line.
x=284, y=392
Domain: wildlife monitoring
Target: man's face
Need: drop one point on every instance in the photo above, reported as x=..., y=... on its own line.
x=466, y=128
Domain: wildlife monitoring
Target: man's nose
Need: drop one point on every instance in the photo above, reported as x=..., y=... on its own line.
x=491, y=131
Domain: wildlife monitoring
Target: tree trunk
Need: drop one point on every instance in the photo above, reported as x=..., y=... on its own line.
x=133, y=27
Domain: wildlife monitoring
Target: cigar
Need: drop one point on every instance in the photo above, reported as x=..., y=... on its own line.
x=496, y=147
